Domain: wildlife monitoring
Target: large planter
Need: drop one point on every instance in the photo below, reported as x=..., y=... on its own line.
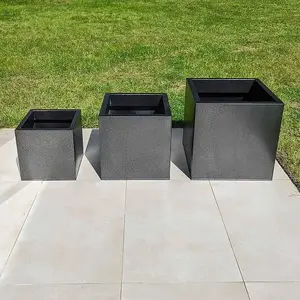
x=49, y=144
x=231, y=129
x=135, y=136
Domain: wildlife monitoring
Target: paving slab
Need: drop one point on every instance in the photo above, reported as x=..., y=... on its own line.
x=274, y=290
x=6, y=135
x=196, y=291
x=279, y=173
x=16, y=199
x=73, y=234
x=174, y=233
x=9, y=168
x=262, y=220
x=176, y=239
x=61, y=292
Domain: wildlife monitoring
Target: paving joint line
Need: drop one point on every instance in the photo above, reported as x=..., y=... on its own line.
x=236, y=260
x=19, y=233
x=123, y=246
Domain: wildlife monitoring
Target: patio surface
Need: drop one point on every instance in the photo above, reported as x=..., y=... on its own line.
x=146, y=240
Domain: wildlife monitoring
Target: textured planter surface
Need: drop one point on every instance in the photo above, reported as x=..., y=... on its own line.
x=49, y=144
x=231, y=129
x=135, y=136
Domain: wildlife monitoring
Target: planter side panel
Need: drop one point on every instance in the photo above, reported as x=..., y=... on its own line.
x=78, y=143
x=46, y=154
x=188, y=130
x=135, y=147
x=235, y=141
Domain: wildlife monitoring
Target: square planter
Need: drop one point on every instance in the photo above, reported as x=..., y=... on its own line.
x=49, y=144
x=135, y=136
x=231, y=129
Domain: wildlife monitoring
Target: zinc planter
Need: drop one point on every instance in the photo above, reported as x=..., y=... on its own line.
x=49, y=144
x=135, y=136
x=231, y=129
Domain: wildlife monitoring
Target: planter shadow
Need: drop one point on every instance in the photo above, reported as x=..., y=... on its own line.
x=92, y=150
x=178, y=157
x=7, y=195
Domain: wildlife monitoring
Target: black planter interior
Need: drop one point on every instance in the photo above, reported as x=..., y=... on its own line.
x=48, y=119
x=135, y=104
x=232, y=90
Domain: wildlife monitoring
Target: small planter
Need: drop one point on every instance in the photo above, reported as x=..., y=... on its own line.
x=49, y=144
x=135, y=136
x=232, y=129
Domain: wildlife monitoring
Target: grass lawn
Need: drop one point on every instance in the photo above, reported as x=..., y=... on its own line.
x=65, y=54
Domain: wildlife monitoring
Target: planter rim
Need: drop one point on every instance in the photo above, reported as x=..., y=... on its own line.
x=105, y=101
x=77, y=113
x=277, y=101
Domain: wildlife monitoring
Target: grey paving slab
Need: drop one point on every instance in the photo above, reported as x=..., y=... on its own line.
x=179, y=167
x=274, y=290
x=174, y=233
x=89, y=169
x=207, y=291
x=74, y=234
x=61, y=292
x=279, y=173
x=16, y=199
x=86, y=133
x=9, y=169
x=6, y=135
x=175, y=240
x=262, y=220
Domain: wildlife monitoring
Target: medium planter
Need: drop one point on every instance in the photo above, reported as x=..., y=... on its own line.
x=49, y=144
x=135, y=136
x=231, y=129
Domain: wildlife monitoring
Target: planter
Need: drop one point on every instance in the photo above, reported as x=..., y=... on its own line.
x=135, y=136
x=231, y=129
x=49, y=144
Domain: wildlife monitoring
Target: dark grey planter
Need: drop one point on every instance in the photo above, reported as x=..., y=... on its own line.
x=49, y=144
x=231, y=129
x=135, y=136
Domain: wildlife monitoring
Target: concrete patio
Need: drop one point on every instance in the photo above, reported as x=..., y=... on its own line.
x=146, y=240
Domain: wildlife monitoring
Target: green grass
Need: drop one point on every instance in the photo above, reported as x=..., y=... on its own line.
x=64, y=54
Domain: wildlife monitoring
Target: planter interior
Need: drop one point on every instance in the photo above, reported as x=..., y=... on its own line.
x=48, y=119
x=134, y=104
x=232, y=91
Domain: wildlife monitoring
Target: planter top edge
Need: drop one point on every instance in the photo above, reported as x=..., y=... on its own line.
x=232, y=91
x=51, y=120
x=223, y=78
x=135, y=104
x=136, y=94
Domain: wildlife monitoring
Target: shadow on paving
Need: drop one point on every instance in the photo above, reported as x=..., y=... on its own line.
x=92, y=151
